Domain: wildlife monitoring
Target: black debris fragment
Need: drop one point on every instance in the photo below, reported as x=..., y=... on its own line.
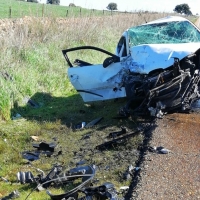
x=117, y=133
x=127, y=175
x=25, y=177
x=31, y=156
x=4, y=179
x=6, y=76
x=93, y=122
x=43, y=146
x=80, y=125
x=33, y=103
x=13, y=195
x=116, y=141
x=105, y=191
x=160, y=150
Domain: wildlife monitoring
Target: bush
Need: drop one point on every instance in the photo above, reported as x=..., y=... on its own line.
x=72, y=5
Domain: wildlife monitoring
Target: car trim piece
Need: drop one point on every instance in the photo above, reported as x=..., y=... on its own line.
x=85, y=47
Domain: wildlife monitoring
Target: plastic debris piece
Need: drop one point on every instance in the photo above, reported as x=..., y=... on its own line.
x=35, y=138
x=6, y=76
x=33, y=103
x=117, y=133
x=124, y=188
x=80, y=125
x=159, y=149
x=85, y=172
x=31, y=156
x=17, y=116
x=105, y=191
x=4, y=179
x=93, y=122
x=83, y=124
x=13, y=195
x=25, y=177
x=137, y=168
x=116, y=141
x=43, y=146
x=128, y=173
x=30, y=102
x=164, y=151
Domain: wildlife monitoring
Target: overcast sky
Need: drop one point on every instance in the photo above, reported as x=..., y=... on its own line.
x=134, y=5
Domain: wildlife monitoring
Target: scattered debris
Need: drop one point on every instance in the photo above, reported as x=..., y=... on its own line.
x=129, y=172
x=124, y=188
x=35, y=138
x=80, y=125
x=25, y=177
x=93, y=122
x=159, y=149
x=31, y=102
x=31, y=156
x=105, y=191
x=17, y=116
x=117, y=141
x=175, y=86
x=118, y=133
x=4, y=179
x=162, y=150
x=6, y=76
x=13, y=195
x=43, y=146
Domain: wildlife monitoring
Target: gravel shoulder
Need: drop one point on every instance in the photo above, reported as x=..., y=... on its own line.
x=175, y=175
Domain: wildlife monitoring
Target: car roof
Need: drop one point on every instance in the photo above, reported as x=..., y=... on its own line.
x=168, y=19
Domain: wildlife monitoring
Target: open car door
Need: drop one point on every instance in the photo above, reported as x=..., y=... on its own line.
x=96, y=82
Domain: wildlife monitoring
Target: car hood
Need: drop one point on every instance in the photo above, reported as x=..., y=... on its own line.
x=145, y=58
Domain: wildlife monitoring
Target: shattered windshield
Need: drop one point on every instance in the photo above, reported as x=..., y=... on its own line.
x=163, y=33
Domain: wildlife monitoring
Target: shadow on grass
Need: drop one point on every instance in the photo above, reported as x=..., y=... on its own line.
x=67, y=110
x=70, y=111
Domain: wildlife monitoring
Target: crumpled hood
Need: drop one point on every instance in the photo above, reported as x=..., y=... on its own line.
x=145, y=58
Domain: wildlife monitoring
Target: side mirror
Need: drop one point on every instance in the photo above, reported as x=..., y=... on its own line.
x=110, y=60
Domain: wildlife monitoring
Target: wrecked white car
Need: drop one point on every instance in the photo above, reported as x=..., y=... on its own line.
x=156, y=66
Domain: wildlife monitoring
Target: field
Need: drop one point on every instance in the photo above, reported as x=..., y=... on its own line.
x=16, y=9
x=32, y=67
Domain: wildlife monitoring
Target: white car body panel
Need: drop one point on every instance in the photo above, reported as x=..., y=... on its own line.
x=145, y=58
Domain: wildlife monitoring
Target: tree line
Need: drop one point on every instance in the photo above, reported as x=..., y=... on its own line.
x=181, y=8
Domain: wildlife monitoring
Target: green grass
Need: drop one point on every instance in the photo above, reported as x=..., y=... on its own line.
x=16, y=9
